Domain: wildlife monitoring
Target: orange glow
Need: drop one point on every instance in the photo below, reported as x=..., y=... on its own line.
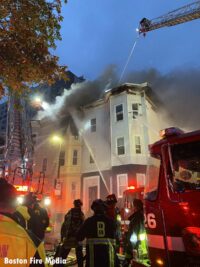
x=159, y=262
x=131, y=187
x=23, y=188
x=184, y=205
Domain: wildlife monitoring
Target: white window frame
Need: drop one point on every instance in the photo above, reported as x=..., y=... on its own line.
x=141, y=177
x=93, y=126
x=88, y=182
x=119, y=113
x=138, y=145
x=120, y=146
x=135, y=112
x=75, y=157
x=125, y=185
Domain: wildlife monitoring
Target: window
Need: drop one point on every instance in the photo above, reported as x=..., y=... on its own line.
x=73, y=190
x=93, y=125
x=138, y=149
x=119, y=112
x=122, y=184
x=185, y=166
x=135, y=110
x=120, y=146
x=75, y=157
x=140, y=179
x=62, y=158
x=91, y=159
x=76, y=137
x=152, y=178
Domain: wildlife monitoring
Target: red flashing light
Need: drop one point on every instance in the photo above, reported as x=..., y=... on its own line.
x=172, y=131
x=22, y=188
x=131, y=187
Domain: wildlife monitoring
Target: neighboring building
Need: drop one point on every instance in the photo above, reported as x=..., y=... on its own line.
x=59, y=161
x=115, y=150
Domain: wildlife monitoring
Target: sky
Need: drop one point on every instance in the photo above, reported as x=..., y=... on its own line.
x=96, y=34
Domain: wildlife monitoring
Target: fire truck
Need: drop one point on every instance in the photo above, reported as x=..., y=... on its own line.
x=127, y=201
x=172, y=202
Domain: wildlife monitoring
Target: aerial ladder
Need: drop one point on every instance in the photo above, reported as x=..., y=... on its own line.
x=184, y=14
x=19, y=147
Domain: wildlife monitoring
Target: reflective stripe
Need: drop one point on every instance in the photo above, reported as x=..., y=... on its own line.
x=91, y=242
x=111, y=253
x=173, y=243
x=100, y=241
x=156, y=241
x=91, y=250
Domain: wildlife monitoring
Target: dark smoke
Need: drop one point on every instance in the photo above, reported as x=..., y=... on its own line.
x=86, y=92
x=179, y=90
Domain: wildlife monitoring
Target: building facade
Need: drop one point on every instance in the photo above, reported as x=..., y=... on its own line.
x=115, y=145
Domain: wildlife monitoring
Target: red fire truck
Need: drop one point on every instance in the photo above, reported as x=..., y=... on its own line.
x=172, y=201
x=127, y=201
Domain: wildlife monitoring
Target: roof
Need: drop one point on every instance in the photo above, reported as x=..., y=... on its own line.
x=129, y=88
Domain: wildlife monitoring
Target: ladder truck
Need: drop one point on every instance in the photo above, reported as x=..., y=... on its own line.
x=181, y=15
x=19, y=148
x=172, y=188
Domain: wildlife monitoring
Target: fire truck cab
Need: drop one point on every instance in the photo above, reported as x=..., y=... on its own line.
x=172, y=201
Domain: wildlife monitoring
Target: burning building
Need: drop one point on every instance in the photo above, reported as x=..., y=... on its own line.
x=115, y=141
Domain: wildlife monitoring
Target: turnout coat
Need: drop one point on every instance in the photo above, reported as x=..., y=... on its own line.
x=99, y=232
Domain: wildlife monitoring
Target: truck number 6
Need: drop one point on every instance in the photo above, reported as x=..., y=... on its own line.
x=150, y=220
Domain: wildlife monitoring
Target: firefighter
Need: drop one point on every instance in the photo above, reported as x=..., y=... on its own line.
x=113, y=212
x=22, y=216
x=136, y=227
x=39, y=219
x=99, y=231
x=18, y=247
x=72, y=222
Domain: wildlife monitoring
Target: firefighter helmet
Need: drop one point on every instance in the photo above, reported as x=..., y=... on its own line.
x=30, y=199
x=111, y=199
x=98, y=205
x=8, y=192
x=78, y=203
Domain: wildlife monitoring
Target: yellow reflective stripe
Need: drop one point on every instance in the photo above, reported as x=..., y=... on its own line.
x=91, y=250
x=111, y=255
x=101, y=241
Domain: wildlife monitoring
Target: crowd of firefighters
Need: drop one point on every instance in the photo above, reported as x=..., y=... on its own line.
x=22, y=231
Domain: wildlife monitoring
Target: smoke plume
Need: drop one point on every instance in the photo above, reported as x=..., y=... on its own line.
x=80, y=94
x=179, y=91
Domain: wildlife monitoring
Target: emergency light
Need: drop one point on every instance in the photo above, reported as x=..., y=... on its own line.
x=47, y=201
x=131, y=187
x=21, y=188
x=20, y=200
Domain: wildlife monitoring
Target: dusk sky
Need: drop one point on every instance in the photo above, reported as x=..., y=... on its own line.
x=96, y=34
